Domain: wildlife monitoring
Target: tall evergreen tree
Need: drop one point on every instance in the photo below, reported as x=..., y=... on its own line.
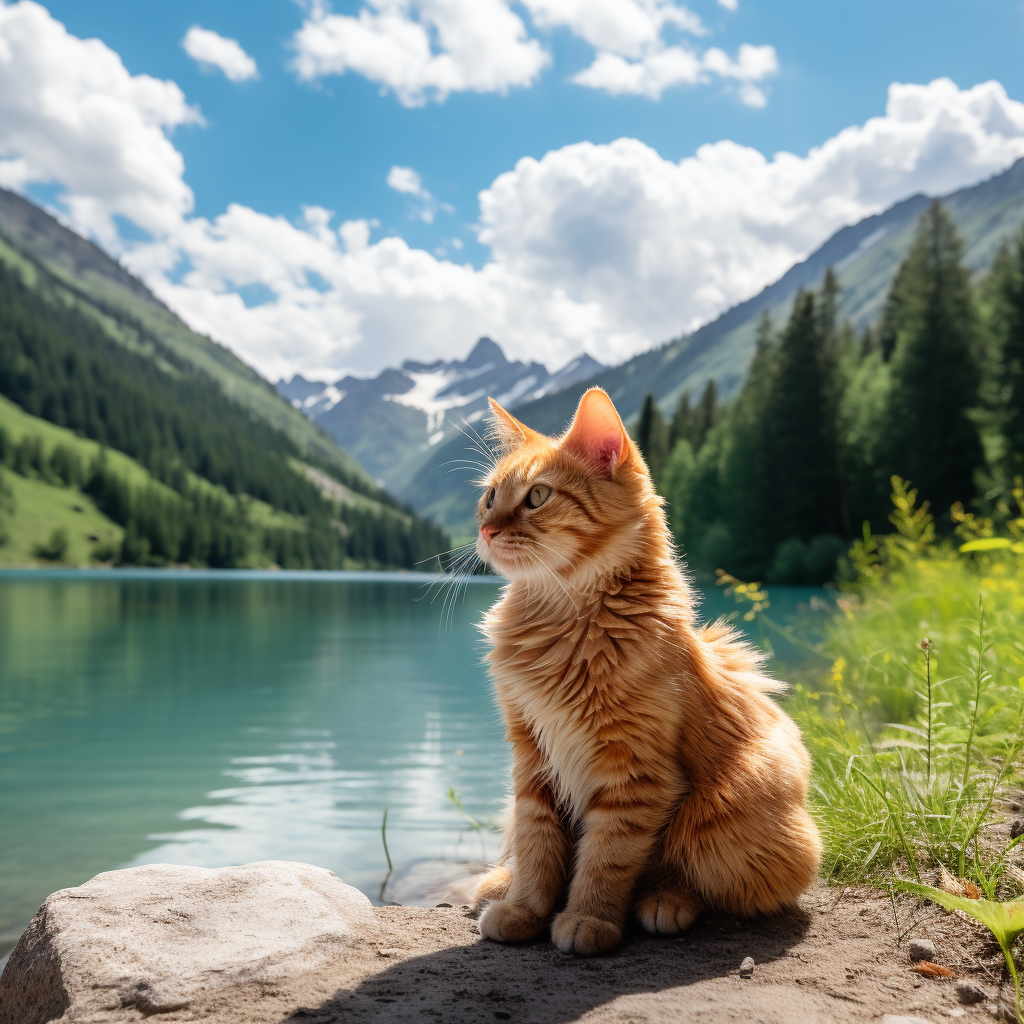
x=682, y=422
x=930, y=438
x=705, y=415
x=801, y=430
x=1011, y=360
x=652, y=437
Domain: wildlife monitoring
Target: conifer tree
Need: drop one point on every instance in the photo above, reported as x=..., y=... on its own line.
x=800, y=427
x=1011, y=360
x=930, y=438
x=652, y=437
x=682, y=422
x=705, y=415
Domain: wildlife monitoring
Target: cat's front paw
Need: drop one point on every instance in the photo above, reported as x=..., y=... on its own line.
x=583, y=935
x=507, y=922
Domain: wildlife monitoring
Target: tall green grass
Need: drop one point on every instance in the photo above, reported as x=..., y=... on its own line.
x=915, y=720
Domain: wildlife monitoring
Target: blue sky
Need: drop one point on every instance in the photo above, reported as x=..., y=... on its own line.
x=278, y=144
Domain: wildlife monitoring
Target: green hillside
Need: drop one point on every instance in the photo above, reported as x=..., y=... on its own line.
x=183, y=449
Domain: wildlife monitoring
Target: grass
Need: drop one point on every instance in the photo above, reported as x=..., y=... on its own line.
x=40, y=510
x=915, y=717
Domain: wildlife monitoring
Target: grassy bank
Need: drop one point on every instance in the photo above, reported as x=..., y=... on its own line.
x=915, y=714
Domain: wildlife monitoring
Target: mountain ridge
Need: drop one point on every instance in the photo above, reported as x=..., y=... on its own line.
x=865, y=256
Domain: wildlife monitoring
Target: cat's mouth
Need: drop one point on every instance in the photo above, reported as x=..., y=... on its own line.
x=505, y=551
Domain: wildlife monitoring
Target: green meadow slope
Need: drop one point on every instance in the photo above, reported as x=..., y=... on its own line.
x=187, y=453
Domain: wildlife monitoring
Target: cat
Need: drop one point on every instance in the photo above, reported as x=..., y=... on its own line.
x=651, y=773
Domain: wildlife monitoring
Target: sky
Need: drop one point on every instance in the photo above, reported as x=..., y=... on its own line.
x=335, y=188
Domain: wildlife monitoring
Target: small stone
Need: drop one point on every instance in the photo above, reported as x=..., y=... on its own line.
x=747, y=967
x=956, y=1011
x=1017, y=828
x=968, y=991
x=389, y=952
x=898, y=1018
x=921, y=949
x=436, y=905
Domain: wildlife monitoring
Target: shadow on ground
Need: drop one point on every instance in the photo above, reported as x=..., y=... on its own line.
x=536, y=984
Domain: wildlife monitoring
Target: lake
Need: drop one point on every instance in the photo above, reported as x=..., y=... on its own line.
x=215, y=718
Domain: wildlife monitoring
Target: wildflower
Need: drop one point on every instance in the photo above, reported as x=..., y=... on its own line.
x=925, y=645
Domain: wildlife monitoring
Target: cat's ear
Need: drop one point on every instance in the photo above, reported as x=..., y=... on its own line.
x=597, y=435
x=509, y=432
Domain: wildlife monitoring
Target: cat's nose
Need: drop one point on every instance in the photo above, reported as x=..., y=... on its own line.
x=487, y=532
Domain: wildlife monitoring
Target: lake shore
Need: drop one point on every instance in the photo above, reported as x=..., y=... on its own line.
x=299, y=945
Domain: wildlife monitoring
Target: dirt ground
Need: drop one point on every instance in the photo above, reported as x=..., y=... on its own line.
x=840, y=958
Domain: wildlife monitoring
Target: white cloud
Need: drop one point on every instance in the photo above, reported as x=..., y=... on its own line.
x=71, y=113
x=427, y=49
x=729, y=5
x=216, y=51
x=408, y=182
x=608, y=248
x=626, y=27
x=405, y=179
x=481, y=46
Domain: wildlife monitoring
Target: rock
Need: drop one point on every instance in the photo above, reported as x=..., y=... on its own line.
x=896, y=1018
x=747, y=967
x=156, y=938
x=921, y=949
x=968, y=991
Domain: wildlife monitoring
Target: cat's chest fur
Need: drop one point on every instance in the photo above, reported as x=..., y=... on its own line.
x=580, y=679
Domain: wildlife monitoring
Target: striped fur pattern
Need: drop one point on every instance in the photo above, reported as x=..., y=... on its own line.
x=652, y=774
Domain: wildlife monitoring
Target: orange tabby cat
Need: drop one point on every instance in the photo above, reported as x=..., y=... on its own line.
x=651, y=772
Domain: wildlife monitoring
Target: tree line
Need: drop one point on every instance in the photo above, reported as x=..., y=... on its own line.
x=59, y=363
x=775, y=484
x=201, y=527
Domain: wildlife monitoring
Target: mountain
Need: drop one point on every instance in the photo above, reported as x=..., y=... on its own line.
x=864, y=255
x=186, y=453
x=389, y=422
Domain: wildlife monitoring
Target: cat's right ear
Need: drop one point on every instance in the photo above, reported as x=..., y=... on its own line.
x=597, y=435
x=509, y=432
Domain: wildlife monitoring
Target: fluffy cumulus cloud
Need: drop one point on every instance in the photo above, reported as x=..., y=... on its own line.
x=212, y=50
x=605, y=248
x=481, y=46
x=72, y=115
x=634, y=56
x=428, y=49
x=608, y=248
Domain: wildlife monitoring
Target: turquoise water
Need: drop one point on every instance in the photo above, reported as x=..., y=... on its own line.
x=218, y=718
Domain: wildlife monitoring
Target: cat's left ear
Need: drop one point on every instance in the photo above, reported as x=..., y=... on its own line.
x=510, y=432
x=597, y=435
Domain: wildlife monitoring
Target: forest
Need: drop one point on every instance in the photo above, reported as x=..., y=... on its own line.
x=61, y=365
x=776, y=484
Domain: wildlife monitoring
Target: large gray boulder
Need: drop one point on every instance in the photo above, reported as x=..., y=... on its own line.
x=146, y=940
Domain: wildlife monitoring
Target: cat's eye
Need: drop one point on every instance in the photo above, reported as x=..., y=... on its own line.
x=537, y=496
x=489, y=500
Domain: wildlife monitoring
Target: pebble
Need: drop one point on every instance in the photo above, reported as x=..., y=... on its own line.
x=898, y=1018
x=437, y=905
x=969, y=991
x=747, y=967
x=956, y=1011
x=390, y=952
x=921, y=949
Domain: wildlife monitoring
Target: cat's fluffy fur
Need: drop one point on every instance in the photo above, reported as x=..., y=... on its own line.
x=652, y=774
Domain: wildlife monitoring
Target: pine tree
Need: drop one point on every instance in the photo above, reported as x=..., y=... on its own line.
x=930, y=437
x=801, y=431
x=705, y=415
x=1011, y=360
x=682, y=422
x=652, y=437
